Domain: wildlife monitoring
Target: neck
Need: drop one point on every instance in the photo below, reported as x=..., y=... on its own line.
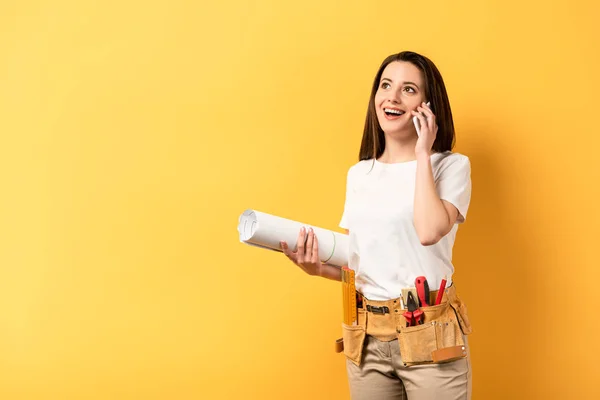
x=399, y=150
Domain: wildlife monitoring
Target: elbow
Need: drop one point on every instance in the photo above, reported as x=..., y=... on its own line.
x=429, y=237
x=430, y=234
x=429, y=240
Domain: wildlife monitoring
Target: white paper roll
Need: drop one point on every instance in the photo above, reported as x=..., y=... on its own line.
x=266, y=231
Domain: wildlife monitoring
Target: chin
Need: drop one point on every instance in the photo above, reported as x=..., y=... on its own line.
x=399, y=133
x=395, y=129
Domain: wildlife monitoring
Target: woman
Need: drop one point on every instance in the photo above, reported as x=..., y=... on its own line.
x=404, y=201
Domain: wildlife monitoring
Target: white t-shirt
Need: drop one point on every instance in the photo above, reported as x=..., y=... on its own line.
x=385, y=251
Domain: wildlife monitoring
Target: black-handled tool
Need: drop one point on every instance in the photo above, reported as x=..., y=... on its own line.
x=414, y=315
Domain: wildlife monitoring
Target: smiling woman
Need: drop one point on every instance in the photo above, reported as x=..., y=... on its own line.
x=413, y=79
x=405, y=199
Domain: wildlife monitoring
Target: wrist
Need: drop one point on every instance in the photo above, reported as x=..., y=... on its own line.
x=319, y=271
x=423, y=155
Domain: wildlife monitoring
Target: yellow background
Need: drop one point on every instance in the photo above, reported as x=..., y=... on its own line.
x=134, y=133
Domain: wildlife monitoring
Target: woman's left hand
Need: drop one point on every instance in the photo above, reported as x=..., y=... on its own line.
x=428, y=129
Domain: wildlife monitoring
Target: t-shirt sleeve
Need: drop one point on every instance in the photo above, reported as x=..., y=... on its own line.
x=454, y=185
x=344, y=220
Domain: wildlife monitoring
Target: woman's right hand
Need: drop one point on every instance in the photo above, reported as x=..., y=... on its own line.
x=307, y=255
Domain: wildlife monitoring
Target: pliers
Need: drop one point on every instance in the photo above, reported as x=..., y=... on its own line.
x=414, y=315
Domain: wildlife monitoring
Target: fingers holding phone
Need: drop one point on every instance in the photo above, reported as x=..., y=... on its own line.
x=417, y=120
x=426, y=126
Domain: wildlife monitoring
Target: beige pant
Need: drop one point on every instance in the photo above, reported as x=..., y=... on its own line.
x=382, y=376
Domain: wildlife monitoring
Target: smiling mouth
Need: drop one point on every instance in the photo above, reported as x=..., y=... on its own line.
x=392, y=112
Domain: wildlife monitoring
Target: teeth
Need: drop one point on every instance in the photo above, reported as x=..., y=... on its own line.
x=390, y=111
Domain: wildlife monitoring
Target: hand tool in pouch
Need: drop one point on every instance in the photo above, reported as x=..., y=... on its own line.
x=438, y=300
x=422, y=290
x=405, y=293
x=414, y=315
x=349, y=296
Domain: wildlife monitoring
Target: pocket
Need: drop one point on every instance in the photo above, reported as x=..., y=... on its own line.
x=354, y=338
x=417, y=343
x=463, y=317
x=439, y=339
x=447, y=334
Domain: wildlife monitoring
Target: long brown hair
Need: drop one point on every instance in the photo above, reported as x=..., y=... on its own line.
x=373, y=140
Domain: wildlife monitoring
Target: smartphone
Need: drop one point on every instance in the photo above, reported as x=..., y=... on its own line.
x=416, y=122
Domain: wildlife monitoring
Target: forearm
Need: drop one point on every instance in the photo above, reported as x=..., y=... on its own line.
x=431, y=219
x=331, y=272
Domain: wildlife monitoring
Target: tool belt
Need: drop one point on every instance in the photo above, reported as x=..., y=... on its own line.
x=436, y=338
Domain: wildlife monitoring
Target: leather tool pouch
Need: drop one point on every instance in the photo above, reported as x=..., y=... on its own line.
x=440, y=338
x=353, y=338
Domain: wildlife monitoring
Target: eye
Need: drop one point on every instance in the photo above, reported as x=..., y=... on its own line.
x=410, y=89
x=385, y=85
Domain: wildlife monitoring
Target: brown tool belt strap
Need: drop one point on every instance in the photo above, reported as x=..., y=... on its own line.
x=388, y=306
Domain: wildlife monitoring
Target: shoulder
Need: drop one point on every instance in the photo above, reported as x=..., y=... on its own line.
x=360, y=168
x=448, y=159
x=450, y=163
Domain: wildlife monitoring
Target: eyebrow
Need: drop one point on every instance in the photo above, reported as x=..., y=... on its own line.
x=406, y=83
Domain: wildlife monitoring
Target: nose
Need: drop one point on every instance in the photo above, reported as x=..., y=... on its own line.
x=394, y=97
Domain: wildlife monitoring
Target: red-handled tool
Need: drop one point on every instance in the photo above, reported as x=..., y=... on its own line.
x=438, y=300
x=414, y=315
x=422, y=291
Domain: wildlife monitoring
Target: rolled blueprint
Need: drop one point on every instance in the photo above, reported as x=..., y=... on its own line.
x=266, y=231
